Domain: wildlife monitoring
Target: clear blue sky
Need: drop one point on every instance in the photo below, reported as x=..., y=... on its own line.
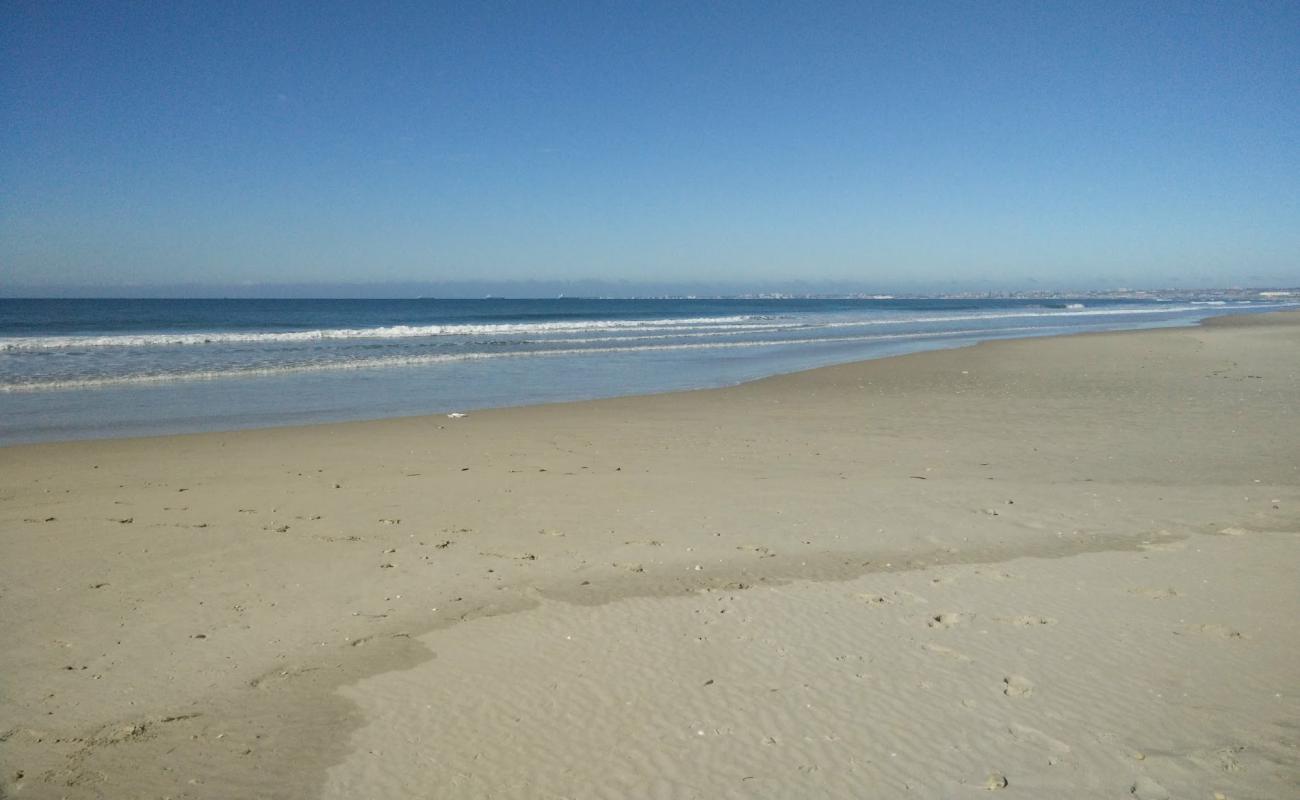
x=1131, y=143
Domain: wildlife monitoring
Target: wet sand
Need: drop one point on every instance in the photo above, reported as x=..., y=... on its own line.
x=1060, y=567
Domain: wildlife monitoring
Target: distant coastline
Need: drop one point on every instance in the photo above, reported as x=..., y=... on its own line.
x=624, y=290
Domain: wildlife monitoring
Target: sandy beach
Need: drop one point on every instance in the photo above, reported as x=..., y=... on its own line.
x=1035, y=568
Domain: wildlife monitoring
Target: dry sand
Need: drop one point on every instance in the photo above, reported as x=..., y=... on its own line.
x=1039, y=568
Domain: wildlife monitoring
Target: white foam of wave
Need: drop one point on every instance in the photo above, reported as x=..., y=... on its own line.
x=1071, y=310
x=1066, y=312
x=15, y=343
x=711, y=331
x=558, y=329
x=442, y=358
x=746, y=322
x=696, y=334
x=715, y=330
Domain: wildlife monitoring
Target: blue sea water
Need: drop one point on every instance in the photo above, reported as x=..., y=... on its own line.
x=76, y=369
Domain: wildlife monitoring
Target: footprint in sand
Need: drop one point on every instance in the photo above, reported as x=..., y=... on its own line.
x=1017, y=686
x=948, y=619
x=275, y=677
x=1226, y=759
x=1215, y=630
x=1027, y=620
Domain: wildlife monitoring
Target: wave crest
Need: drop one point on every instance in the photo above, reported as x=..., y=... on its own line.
x=326, y=334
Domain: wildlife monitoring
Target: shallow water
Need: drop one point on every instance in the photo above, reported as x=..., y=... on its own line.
x=74, y=369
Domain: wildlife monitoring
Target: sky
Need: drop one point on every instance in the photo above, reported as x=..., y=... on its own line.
x=1077, y=145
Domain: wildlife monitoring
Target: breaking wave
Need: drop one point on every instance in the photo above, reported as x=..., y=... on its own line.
x=427, y=359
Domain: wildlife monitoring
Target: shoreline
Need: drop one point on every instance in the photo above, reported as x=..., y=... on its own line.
x=184, y=407
x=1259, y=317
x=216, y=591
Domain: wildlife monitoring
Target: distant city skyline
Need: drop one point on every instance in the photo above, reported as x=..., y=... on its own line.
x=161, y=147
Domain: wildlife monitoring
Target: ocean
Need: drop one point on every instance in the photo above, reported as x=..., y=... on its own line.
x=78, y=369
